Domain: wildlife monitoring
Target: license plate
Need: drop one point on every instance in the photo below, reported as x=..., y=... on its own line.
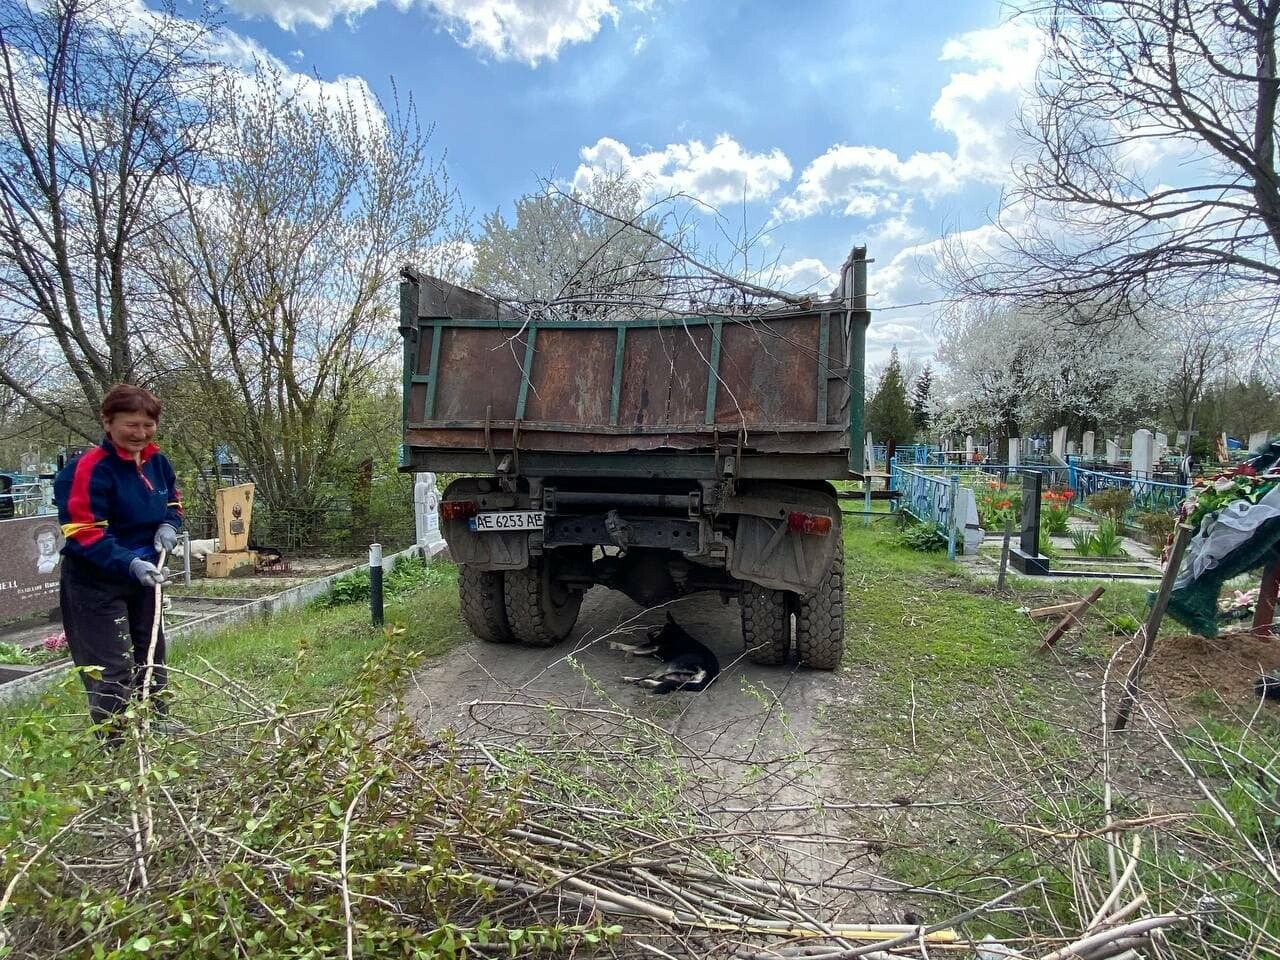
x=504, y=522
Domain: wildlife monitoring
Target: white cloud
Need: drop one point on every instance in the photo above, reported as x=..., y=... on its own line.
x=864, y=181
x=244, y=55
x=290, y=13
x=527, y=31
x=523, y=30
x=723, y=173
x=979, y=107
x=807, y=275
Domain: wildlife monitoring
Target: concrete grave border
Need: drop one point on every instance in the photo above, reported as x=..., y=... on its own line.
x=38, y=681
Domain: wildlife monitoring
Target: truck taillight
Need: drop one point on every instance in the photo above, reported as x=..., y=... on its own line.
x=814, y=523
x=458, y=509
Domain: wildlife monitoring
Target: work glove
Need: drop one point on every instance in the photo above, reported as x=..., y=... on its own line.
x=166, y=538
x=146, y=572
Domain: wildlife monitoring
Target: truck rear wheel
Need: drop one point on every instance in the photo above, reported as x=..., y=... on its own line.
x=820, y=619
x=483, y=607
x=540, y=610
x=766, y=625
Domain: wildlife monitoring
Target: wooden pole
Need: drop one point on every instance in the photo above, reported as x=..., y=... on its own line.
x=1265, y=612
x=1057, y=610
x=1073, y=615
x=1152, y=626
x=1004, y=553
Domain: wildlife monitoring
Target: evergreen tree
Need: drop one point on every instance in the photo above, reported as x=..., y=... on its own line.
x=888, y=413
x=920, y=399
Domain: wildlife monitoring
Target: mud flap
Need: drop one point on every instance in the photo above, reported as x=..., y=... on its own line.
x=766, y=551
x=486, y=551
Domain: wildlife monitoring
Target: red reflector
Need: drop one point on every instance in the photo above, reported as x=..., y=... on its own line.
x=809, y=523
x=458, y=509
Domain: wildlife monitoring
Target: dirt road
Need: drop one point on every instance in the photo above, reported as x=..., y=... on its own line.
x=750, y=711
x=759, y=734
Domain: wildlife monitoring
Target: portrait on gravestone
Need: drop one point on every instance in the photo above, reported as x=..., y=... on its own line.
x=48, y=542
x=30, y=565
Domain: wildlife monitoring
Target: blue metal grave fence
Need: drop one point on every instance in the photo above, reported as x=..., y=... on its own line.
x=928, y=497
x=1149, y=496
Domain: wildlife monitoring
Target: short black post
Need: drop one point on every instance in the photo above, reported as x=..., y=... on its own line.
x=375, y=582
x=1004, y=553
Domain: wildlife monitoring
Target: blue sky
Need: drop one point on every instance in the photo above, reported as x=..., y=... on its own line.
x=840, y=123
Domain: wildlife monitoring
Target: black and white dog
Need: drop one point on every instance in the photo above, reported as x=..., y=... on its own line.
x=687, y=664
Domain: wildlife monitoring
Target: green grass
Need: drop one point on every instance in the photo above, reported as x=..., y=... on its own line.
x=308, y=654
x=332, y=643
x=956, y=697
x=924, y=632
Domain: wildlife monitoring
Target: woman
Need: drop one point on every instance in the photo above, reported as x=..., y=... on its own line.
x=119, y=507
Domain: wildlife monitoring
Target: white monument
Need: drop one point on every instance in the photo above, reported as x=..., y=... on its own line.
x=1086, y=444
x=1113, y=452
x=1258, y=439
x=869, y=456
x=1015, y=451
x=426, y=514
x=1060, y=442
x=1161, y=448
x=968, y=445
x=1143, y=454
x=969, y=527
x=1071, y=448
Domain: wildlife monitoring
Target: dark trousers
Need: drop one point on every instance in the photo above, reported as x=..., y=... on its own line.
x=108, y=625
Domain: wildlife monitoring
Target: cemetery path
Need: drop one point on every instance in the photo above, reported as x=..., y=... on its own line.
x=759, y=734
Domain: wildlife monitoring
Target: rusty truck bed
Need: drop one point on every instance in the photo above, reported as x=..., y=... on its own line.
x=762, y=396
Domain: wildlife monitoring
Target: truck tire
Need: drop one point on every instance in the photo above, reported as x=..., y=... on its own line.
x=820, y=619
x=541, y=611
x=483, y=606
x=766, y=625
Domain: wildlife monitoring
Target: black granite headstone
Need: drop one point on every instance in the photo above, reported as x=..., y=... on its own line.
x=1030, y=540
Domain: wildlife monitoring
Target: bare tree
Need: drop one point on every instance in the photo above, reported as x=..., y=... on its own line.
x=101, y=104
x=279, y=281
x=1152, y=166
x=574, y=253
x=604, y=251
x=1197, y=352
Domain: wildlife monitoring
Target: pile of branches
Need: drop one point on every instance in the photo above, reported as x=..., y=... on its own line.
x=538, y=829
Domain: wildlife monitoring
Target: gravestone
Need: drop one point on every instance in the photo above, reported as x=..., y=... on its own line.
x=30, y=565
x=971, y=532
x=1142, y=456
x=1161, y=448
x=869, y=455
x=426, y=514
x=1015, y=451
x=1071, y=448
x=968, y=446
x=1258, y=439
x=1060, y=442
x=1113, y=452
x=1026, y=556
x=1086, y=444
x=233, y=509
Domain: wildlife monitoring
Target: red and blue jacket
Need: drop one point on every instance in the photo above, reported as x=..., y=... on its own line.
x=110, y=506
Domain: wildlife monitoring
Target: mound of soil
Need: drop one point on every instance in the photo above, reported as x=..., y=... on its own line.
x=1184, y=664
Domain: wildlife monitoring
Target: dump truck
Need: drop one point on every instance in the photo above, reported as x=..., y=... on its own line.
x=658, y=457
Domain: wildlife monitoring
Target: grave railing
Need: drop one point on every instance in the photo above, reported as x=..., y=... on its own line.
x=928, y=497
x=1149, y=496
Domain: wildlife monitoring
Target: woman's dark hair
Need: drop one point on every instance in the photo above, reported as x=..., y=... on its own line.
x=126, y=398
